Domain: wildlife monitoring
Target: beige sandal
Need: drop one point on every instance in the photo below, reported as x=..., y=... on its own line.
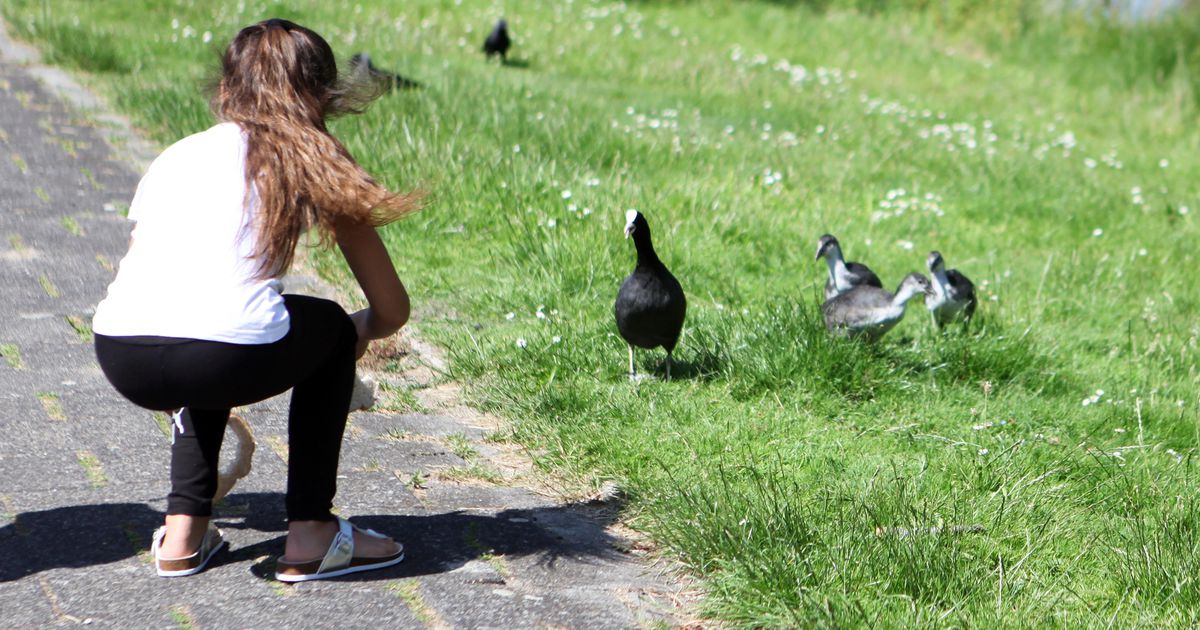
x=187, y=565
x=339, y=559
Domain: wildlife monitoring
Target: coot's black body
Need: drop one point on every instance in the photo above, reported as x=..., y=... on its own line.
x=650, y=306
x=497, y=42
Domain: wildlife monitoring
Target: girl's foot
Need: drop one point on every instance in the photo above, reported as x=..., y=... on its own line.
x=184, y=535
x=351, y=550
x=311, y=539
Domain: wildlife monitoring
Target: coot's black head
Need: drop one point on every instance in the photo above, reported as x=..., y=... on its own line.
x=502, y=25
x=635, y=223
x=935, y=262
x=825, y=245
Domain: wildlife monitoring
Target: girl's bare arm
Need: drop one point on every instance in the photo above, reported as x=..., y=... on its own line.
x=371, y=264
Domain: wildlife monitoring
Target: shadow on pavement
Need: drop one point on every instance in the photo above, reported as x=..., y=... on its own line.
x=87, y=535
x=74, y=537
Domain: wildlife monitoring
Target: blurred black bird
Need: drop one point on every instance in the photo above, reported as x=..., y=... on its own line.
x=497, y=42
x=650, y=304
x=361, y=63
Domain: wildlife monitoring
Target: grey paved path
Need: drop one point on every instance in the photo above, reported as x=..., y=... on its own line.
x=83, y=473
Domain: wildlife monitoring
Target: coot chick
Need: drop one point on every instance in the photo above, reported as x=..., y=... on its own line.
x=497, y=42
x=650, y=305
x=952, y=297
x=843, y=275
x=870, y=311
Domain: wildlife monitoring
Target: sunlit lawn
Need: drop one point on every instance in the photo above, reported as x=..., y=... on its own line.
x=1037, y=470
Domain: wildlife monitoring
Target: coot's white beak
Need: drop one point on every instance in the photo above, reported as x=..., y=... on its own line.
x=628, y=230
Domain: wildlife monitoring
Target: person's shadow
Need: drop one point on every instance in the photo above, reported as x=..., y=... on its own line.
x=87, y=535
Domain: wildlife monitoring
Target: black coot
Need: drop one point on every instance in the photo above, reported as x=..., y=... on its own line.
x=650, y=305
x=497, y=42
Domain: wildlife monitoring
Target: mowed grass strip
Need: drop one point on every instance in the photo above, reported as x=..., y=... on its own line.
x=1041, y=461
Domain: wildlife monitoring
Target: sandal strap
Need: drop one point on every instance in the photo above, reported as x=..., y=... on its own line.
x=368, y=531
x=341, y=550
x=212, y=538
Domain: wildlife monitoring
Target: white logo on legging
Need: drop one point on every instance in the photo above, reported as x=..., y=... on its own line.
x=178, y=418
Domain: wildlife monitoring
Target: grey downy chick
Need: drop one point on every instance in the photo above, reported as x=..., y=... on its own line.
x=843, y=275
x=952, y=295
x=869, y=311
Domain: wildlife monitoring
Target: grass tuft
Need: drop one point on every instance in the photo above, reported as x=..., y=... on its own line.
x=52, y=405
x=93, y=468
x=12, y=355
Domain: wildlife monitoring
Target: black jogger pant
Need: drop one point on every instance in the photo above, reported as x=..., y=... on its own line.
x=208, y=378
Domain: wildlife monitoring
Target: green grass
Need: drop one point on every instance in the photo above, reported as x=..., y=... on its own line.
x=72, y=226
x=12, y=355
x=471, y=472
x=460, y=445
x=52, y=405
x=182, y=617
x=137, y=544
x=18, y=244
x=83, y=330
x=91, y=465
x=1050, y=158
x=91, y=177
x=409, y=592
x=48, y=286
x=163, y=422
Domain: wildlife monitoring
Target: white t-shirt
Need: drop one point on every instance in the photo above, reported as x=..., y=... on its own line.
x=189, y=271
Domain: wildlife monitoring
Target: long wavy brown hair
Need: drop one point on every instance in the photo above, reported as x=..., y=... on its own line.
x=280, y=84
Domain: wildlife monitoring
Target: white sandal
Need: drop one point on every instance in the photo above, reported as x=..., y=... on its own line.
x=339, y=559
x=187, y=565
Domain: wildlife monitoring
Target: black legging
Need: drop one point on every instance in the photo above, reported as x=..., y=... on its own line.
x=208, y=378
